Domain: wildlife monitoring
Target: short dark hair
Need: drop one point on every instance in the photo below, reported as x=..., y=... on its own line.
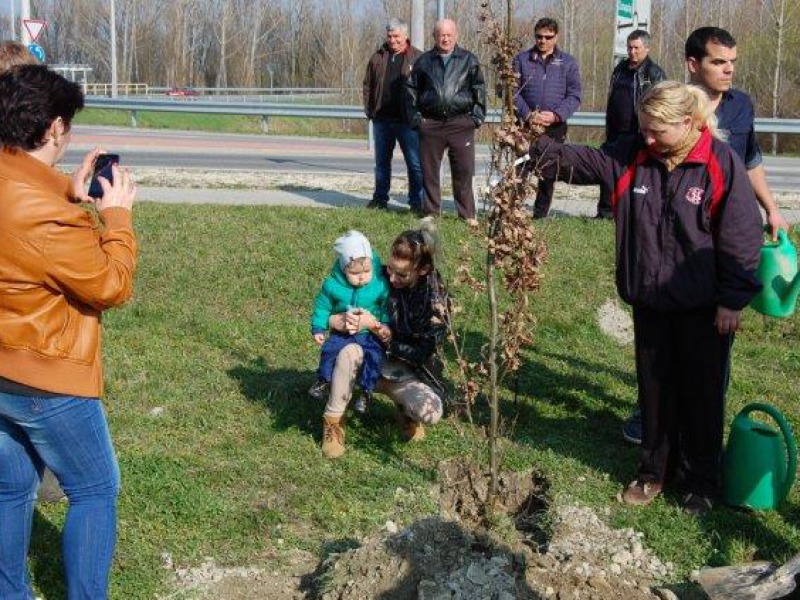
x=546, y=23
x=697, y=41
x=31, y=98
x=639, y=34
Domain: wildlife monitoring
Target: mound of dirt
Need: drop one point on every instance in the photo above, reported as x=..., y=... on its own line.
x=559, y=552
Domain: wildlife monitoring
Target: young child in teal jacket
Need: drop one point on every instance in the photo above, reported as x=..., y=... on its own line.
x=356, y=283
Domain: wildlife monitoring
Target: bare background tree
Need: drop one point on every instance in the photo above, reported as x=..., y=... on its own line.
x=292, y=43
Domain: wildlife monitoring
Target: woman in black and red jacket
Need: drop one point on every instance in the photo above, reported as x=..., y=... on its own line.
x=688, y=233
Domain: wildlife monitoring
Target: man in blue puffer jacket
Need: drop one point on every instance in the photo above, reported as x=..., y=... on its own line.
x=549, y=93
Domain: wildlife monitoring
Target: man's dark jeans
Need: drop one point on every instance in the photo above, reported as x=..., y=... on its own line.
x=387, y=135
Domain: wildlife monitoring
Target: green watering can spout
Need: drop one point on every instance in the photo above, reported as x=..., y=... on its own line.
x=778, y=273
x=760, y=462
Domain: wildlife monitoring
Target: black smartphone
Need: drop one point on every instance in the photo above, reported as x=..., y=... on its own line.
x=102, y=168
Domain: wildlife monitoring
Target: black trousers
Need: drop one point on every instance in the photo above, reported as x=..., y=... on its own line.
x=457, y=136
x=544, y=193
x=682, y=366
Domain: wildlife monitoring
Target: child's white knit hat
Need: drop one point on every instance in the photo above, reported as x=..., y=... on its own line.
x=350, y=246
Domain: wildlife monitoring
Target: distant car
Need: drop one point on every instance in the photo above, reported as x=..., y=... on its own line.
x=181, y=92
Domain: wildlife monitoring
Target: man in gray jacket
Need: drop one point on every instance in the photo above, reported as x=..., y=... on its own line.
x=630, y=80
x=384, y=104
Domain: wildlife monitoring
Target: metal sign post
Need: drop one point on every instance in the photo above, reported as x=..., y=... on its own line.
x=631, y=15
x=24, y=14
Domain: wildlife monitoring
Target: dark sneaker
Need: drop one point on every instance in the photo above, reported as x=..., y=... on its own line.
x=417, y=210
x=320, y=390
x=361, y=402
x=377, y=204
x=697, y=505
x=641, y=493
x=632, y=429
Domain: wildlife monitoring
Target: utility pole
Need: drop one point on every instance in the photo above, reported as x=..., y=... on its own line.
x=25, y=14
x=13, y=20
x=113, y=26
x=440, y=10
x=418, y=23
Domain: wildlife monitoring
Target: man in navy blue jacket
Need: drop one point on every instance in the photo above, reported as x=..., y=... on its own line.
x=711, y=59
x=549, y=93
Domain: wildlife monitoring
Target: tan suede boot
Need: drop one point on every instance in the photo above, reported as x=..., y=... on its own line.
x=333, y=436
x=413, y=431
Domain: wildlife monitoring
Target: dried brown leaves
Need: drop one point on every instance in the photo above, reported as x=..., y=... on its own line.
x=515, y=251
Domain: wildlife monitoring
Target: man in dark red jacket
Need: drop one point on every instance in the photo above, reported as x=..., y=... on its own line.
x=384, y=104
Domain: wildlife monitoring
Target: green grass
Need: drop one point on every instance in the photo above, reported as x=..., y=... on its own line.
x=217, y=334
x=224, y=123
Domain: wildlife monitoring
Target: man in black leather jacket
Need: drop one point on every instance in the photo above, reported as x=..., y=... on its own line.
x=447, y=102
x=630, y=80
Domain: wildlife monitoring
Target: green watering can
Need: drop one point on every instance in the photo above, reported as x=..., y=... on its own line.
x=777, y=271
x=759, y=465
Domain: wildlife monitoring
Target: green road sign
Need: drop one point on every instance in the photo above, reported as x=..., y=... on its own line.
x=624, y=9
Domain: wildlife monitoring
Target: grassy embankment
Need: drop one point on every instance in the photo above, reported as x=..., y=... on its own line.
x=217, y=335
x=224, y=123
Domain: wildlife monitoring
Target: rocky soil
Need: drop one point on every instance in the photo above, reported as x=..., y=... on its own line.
x=554, y=551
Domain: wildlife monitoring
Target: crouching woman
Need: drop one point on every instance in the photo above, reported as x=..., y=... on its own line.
x=411, y=375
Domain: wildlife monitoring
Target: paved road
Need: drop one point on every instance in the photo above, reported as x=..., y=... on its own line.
x=282, y=154
x=151, y=148
x=201, y=150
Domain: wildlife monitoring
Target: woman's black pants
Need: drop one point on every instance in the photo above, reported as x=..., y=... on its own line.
x=682, y=367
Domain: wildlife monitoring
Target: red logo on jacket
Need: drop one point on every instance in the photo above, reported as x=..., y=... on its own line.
x=694, y=195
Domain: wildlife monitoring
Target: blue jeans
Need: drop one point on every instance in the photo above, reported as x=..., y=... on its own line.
x=69, y=435
x=387, y=135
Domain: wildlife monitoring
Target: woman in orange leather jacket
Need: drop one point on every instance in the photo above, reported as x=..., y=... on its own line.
x=61, y=266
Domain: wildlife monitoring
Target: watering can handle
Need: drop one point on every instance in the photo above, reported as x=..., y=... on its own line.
x=788, y=438
x=783, y=237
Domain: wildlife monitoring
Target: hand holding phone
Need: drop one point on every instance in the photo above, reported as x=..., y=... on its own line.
x=119, y=190
x=102, y=168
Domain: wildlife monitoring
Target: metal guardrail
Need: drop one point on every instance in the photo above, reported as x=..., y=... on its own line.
x=104, y=89
x=259, y=91
x=265, y=110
